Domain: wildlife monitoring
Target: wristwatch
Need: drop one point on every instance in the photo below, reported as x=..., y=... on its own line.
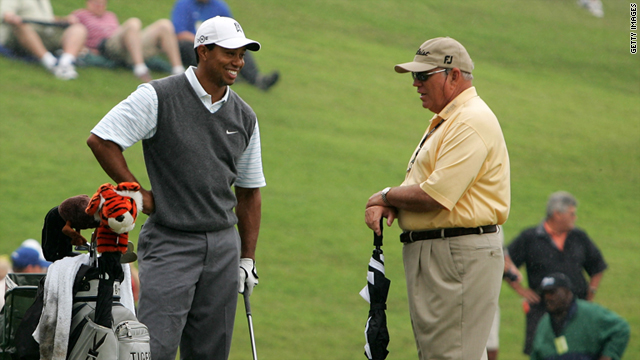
x=384, y=193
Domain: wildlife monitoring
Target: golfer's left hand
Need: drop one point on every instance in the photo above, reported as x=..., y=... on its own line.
x=248, y=277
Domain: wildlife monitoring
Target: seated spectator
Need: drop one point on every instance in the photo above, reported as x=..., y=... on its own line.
x=26, y=259
x=128, y=42
x=35, y=244
x=187, y=15
x=29, y=28
x=575, y=328
x=5, y=268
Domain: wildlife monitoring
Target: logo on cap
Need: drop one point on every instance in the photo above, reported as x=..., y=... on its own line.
x=448, y=59
x=238, y=28
x=422, y=52
x=548, y=281
x=202, y=38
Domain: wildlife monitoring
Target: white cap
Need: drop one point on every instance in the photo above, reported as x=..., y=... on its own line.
x=224, y=32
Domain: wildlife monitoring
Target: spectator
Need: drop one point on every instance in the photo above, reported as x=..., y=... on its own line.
x=187, y=15
x=5, y=268
x=28, y=27
x=454, y=196
x=555, y=245
x=576, y=329
x=34, y=244
x=129, y=42
x=26, y=259
x=594, y=7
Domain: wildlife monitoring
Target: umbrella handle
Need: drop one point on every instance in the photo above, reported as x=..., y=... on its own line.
x=377, y=239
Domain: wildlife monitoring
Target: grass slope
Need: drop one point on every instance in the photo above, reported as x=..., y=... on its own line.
x=341, y=125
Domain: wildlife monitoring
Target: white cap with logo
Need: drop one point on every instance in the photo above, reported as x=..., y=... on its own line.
x=224, y=32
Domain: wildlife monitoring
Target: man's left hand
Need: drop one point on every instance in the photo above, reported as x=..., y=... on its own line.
x=248, y=277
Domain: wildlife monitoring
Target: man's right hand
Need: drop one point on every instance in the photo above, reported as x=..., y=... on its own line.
x=148, y=203
x=373, y=214
x=529, y=295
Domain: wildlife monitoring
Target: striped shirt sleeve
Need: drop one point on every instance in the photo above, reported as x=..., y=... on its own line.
x=250, y=172
x=133, y=119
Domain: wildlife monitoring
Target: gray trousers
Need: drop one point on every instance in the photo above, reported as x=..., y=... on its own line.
x=188, y=291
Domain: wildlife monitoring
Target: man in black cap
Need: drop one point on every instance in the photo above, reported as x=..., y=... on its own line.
x=576, y=329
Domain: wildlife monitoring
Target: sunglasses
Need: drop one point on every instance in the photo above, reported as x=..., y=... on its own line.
x=424, y=76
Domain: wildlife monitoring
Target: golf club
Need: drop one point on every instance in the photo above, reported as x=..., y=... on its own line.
x=247, y=306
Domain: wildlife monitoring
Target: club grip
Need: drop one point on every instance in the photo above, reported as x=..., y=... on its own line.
x=247, y=304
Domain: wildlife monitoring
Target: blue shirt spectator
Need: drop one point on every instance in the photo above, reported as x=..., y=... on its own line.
x=187, y=15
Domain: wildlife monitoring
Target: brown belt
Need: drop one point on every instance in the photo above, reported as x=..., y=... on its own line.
x=412, y=236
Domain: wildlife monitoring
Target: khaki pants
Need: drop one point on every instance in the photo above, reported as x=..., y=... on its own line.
x=51, y=37
x=453, y=286
x=115, y=49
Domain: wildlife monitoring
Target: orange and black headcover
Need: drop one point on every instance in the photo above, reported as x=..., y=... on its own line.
x=117, y=210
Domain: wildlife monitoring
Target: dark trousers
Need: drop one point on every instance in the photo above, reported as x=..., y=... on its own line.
x=536, y=311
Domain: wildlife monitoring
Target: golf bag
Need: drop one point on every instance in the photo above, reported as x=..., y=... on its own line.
x=126, y=339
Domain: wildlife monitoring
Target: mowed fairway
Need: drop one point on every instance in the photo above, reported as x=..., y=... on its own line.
x=342, y=124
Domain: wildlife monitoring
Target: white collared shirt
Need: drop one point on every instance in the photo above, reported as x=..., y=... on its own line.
x=136, y=118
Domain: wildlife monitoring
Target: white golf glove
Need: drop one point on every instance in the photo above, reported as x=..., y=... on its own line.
x=247, y=275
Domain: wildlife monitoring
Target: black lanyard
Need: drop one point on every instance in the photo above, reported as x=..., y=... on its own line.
x=413, y=160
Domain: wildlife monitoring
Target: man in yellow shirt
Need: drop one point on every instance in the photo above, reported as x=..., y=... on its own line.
x=456, y=191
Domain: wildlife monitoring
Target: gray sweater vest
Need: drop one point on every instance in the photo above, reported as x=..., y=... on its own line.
x=191, y=160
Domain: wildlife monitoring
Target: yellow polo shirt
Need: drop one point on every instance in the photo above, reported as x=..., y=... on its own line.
x=463, y=165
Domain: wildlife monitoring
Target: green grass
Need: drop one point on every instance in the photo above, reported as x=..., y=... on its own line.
x=341, y=125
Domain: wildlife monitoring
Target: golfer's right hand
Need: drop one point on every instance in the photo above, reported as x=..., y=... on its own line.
x=149, y=204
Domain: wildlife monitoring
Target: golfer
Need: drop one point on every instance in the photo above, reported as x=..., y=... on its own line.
x=200, y=140
x=455, y=194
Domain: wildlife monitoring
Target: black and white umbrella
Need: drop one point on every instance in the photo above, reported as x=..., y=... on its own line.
x=375, y=293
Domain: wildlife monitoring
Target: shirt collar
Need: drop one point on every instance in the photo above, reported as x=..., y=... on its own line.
x=455, y=105
x=202, y=94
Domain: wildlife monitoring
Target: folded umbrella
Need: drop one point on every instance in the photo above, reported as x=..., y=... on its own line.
x=375, y=293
